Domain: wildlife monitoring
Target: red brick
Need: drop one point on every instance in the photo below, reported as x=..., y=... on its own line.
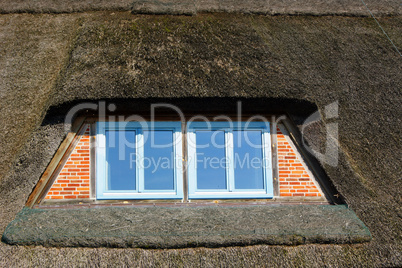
x=83, y=189
x=302, y=191
x=298, y=187
x=69, y=189
x=74, y=170
x=297, y=172
x=83, y=166
x=56, y=189
x=68, y=166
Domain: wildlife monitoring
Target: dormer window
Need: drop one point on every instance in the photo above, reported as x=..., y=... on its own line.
x=139, y=160
x=180, y=161
x=229, y=160
x=144, y=160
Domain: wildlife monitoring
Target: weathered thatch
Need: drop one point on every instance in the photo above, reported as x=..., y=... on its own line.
x=191, y=7
x=181, y=227
x=33, y=49
x=62, y=59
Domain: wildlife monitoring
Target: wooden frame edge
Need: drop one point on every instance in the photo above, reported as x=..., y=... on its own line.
x=320, y=175
x=54, y=164
x=274, y=154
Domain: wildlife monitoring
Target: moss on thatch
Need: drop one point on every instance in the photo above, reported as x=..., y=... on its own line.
x=316, y=59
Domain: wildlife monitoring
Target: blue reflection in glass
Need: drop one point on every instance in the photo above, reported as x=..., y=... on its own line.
x=211, y=164
x=248, y=161
x=158, y=160
x=120, y=160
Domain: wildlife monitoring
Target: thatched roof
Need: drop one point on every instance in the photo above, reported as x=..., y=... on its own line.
x=192, y=7
x=181, y=227
x=56, y=60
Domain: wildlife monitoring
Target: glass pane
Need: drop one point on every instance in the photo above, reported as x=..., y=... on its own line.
x=158, y=160
x=120, y=158
x=211, y=162
x=248, y=161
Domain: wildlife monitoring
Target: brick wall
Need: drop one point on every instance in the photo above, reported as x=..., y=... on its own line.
x=73, y=180
x=294, y=179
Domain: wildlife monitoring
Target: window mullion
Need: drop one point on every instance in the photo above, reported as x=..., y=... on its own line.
x=267, y=156
x=191, y=161
x=229, y=160
x=140, y=161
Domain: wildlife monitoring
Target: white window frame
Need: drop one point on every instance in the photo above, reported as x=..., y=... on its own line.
x=102, y=193
x=231, y=192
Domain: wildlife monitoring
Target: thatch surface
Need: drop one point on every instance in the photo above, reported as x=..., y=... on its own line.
x=318, y=59
x=191, y=7
x=164, y=227
x=33, y=50
x=60, y=6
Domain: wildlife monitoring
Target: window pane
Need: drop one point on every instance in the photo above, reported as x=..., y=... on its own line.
x=211, y=164
x=120, y=158
x=248, y=162
x=158, y=160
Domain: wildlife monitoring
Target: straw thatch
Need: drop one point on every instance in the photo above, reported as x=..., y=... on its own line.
x=191, y=7
x=181, y=227
x=58, y=60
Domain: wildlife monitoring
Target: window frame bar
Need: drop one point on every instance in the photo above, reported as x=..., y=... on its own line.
x=231, y=192
x=102, y=193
